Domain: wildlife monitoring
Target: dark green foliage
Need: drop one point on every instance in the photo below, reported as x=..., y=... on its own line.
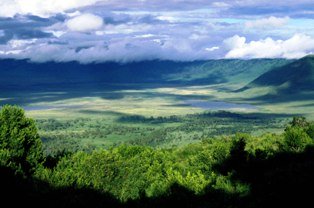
x=238, y=154
x=20, y=144
x=239, y=171
x=52, y=160
x=302, y=123
x=310, y=130
x=281, y=181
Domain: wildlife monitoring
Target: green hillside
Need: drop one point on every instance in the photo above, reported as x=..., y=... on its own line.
x=294, y=77
x=233, y=71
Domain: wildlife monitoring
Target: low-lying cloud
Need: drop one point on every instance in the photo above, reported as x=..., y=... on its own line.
x=125, y=50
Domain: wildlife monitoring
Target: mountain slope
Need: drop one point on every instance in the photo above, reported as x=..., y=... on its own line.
x=233, y=71
x=294, y=77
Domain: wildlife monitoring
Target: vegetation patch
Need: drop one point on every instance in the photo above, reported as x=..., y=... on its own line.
x=239, y=170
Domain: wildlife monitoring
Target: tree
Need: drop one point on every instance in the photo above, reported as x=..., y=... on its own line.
x=296, y=139
x=20, y=144
x=310, y=130
x=238, y=155
x=237, y=151
x=299, y=122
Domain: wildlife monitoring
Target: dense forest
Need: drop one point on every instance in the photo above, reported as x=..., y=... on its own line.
x=228, y=171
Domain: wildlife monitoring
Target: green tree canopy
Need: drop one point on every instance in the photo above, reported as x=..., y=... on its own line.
x=20, y=144
x=296, y=139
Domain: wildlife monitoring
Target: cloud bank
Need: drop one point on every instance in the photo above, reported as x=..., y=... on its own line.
x=135, y=30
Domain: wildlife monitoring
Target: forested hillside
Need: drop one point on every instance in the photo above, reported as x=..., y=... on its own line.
x=234, y=171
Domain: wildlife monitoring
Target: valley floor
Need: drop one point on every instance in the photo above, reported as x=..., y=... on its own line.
x=158, y=117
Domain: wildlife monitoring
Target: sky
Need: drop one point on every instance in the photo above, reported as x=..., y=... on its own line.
x=136, y=30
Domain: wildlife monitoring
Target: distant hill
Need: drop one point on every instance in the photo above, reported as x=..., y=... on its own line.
x=15, y=73
x=21, y=80
x=233, y=71
x=294, y=77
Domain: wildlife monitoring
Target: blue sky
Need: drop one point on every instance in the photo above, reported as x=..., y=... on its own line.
x=135, y=30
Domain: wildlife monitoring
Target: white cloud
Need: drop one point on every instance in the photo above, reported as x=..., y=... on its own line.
x=11, y=52
x=169, y=18
x=57, y=34
x=234, y=42
x=9, y=8
x=15, y=47
x=212, y=48
x=145, y=36
x=85, y=22
x=21, y=43
x=296, y=47
x=269, y=22
x=127, y=28
x=220, y=4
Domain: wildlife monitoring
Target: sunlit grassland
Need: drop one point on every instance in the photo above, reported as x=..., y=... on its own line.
x=148, y=102
x=99, y=107
x=168, y=101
